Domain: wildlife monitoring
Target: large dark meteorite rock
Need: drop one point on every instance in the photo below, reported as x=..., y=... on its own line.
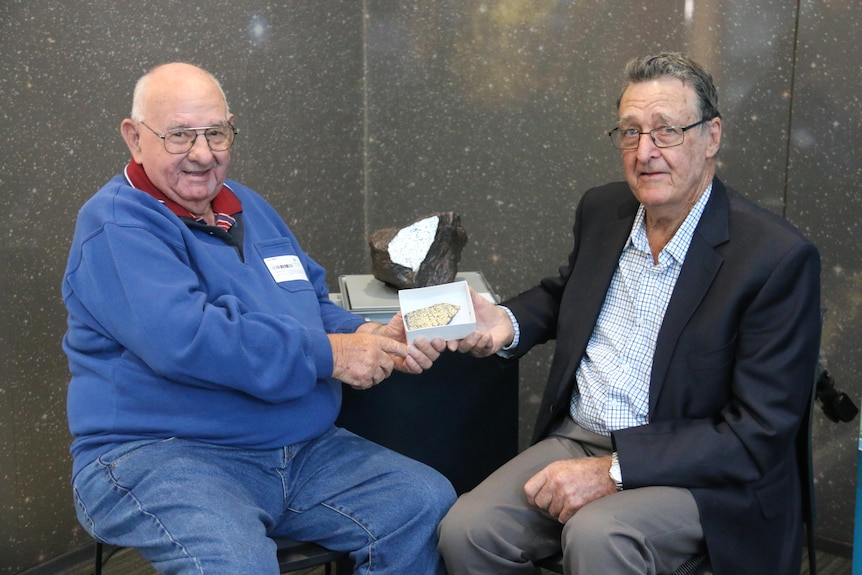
x=425, y=253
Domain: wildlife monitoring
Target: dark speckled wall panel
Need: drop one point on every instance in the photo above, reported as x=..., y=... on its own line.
x=356, y=115
x=825, y=200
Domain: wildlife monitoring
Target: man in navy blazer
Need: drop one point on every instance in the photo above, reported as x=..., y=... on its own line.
x=687, y=333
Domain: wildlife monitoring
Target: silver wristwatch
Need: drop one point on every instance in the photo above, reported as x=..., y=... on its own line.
x=614, y=472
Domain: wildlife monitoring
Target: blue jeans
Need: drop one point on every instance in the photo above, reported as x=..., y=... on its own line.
x=191, y=507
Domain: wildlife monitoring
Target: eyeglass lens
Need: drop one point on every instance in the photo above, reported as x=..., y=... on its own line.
x=181, y=140
x=663, y=137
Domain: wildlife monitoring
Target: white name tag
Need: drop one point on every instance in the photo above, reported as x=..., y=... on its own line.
x=285, y=268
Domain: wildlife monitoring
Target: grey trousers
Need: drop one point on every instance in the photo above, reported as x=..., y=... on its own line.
x=492, y=530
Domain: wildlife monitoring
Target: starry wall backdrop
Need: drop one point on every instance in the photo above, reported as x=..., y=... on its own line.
x=358, y=115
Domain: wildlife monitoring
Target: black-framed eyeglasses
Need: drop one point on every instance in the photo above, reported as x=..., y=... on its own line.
x=662, y=137
x=181, y=140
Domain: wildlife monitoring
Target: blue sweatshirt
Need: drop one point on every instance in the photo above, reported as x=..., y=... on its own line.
x=173, y=333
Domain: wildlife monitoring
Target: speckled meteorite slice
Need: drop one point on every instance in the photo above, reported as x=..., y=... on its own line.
x=431, y=316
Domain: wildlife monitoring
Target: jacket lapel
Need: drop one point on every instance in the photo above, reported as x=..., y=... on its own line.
x=592, y=288
x=702, y=263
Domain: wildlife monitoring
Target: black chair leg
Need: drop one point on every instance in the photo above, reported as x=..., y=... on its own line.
x=343, y=566
x=97, y=567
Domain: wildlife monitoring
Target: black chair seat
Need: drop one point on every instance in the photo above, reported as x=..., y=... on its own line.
x=295, y=555
x=696, y=566
x=292, y=556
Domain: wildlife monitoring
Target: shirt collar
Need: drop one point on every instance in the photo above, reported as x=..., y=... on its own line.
x=225, y=203
x=677, y=247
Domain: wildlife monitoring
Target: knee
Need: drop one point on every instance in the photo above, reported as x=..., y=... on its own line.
x=451, y=532
x=455, y=520
x=425, y=492
x=599, y=534
x=587, y=530
x=438, y=493
x=462, y=526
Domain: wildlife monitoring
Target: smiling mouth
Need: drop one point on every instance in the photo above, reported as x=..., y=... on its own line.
x=197, y=173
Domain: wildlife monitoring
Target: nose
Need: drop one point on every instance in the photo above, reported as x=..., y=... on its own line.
x=648, y=149
x=200, y=148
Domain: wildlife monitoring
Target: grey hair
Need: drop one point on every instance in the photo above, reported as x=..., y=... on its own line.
x=682, y=67
x=143, y=85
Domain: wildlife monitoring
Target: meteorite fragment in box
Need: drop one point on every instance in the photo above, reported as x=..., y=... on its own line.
x=444, y=311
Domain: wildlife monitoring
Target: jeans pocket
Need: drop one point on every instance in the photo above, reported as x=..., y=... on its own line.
x=121, y=463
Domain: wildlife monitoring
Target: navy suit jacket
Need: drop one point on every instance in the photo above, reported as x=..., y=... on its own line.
x=732, y=373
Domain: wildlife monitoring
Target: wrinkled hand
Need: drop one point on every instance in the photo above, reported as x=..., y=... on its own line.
x=563, y=487
x=414, y=358
x=362, y=360
x=421, y=354
x=493, y=329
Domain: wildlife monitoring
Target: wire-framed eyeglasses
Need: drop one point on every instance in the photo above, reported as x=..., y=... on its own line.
x=662, y=137
x=181, y=140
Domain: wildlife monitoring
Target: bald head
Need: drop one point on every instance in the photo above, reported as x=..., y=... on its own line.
x=173, y=80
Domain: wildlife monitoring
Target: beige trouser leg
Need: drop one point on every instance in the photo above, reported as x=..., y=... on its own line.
x=492, y=530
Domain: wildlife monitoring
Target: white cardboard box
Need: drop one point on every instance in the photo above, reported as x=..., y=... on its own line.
x=456, y=293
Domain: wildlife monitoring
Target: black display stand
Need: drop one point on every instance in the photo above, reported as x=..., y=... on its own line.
x=460, y=417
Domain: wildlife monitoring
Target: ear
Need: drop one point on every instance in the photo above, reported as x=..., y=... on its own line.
x=714, y=137
x=132, y=137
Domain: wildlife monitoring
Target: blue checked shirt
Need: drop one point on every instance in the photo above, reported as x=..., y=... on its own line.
x=614, y=374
